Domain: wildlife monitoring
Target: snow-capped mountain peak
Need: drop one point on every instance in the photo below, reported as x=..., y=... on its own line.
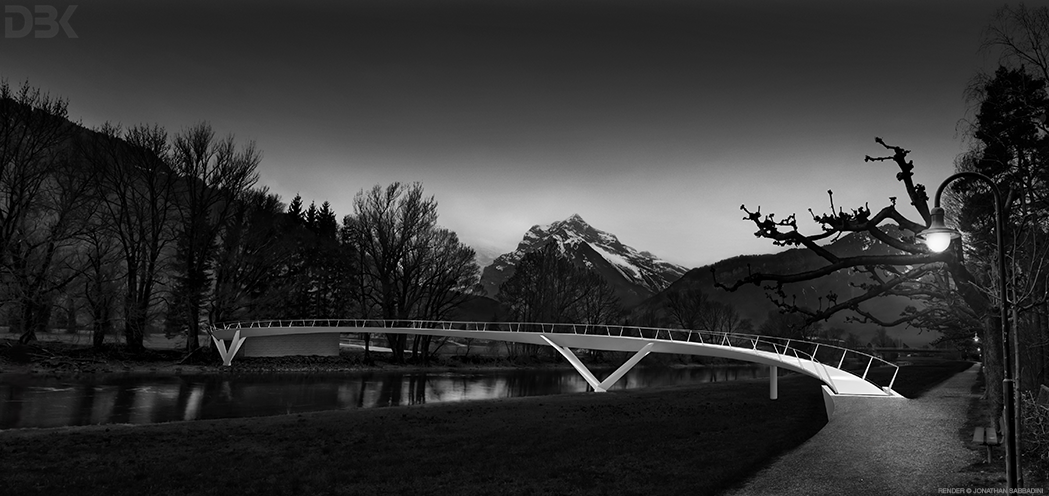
x=635, y=274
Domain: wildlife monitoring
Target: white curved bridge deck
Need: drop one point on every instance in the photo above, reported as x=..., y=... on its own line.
x=799, y=356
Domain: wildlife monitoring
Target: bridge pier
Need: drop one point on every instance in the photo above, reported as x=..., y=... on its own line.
x=579, y=367
x=228, y=354
x=773, y=382
x=599, y=387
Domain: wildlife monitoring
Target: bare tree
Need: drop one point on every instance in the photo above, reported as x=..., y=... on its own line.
x=722, y=317
x=549, y=287
x=690, y=308
x=135, y=191
x=449, y=277
x=43, y=194
x=214, y=175
x=1021, y=34
x=43, y=254
x=599, y=304
x=685, y=306
x=254, y=248
x=450, y=274
x=33, y=128
x=390, y=227
x=31, y=132
x=100, y=281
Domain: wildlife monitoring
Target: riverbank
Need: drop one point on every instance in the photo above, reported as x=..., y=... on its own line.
x=695, y=440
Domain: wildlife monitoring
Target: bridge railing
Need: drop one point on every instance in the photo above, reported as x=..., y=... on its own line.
x=821, y=354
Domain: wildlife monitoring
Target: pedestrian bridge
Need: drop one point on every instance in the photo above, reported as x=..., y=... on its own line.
x=839, y=368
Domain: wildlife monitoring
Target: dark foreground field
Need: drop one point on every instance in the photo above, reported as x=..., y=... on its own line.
x=689, y=440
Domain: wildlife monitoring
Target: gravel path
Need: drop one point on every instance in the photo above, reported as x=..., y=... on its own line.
x=876, y=446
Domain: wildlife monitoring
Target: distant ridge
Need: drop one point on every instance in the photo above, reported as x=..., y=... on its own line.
x=752, y=303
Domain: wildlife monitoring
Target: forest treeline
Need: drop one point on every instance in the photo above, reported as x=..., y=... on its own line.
x=134, y=230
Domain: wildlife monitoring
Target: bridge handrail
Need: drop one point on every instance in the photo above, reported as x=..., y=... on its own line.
x=780, y=345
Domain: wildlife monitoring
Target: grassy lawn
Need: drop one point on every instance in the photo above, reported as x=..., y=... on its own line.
x=684, y=440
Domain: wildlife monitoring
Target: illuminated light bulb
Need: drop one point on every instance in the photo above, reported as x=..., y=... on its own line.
x=938, y=242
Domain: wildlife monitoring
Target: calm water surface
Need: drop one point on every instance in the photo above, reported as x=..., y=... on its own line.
x=30, y=401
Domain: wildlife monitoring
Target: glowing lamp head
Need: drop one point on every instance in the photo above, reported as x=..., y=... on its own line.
x=938, y=242
x=938, y=236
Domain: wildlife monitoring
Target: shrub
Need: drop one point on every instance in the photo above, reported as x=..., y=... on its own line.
x=1035, y=430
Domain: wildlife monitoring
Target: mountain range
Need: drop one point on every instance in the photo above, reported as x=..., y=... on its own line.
x=643, y=282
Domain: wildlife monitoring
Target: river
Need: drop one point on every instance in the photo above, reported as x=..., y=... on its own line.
x=34, y=401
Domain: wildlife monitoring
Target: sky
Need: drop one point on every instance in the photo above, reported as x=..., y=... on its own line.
x=653, y=120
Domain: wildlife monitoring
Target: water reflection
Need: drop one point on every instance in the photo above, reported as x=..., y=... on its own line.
x=29, y=401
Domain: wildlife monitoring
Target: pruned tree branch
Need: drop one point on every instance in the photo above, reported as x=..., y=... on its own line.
x=899, y=271
x=844, y=263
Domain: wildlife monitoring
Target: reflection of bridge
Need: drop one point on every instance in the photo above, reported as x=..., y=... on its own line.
x=838, y=368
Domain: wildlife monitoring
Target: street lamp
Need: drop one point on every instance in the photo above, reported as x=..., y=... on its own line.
x=938, y=237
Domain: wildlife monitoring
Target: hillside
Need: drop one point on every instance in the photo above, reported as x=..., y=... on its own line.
x=751, y=301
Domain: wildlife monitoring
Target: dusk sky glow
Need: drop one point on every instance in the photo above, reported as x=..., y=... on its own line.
x=653, y=120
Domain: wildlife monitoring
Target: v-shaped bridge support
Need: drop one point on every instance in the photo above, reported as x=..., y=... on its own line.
x=601, y=386
x=228, y=354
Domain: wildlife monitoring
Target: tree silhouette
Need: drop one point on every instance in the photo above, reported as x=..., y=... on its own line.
x=43, y=188
x=409, y=267
x=135, y=191
x=548, y=287
x=691, y=308
x=909, y=269
x=214, y=177
x=252, y=280
x=1011, y=146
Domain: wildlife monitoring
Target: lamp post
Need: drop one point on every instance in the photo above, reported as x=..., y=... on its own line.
x=938, y=237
